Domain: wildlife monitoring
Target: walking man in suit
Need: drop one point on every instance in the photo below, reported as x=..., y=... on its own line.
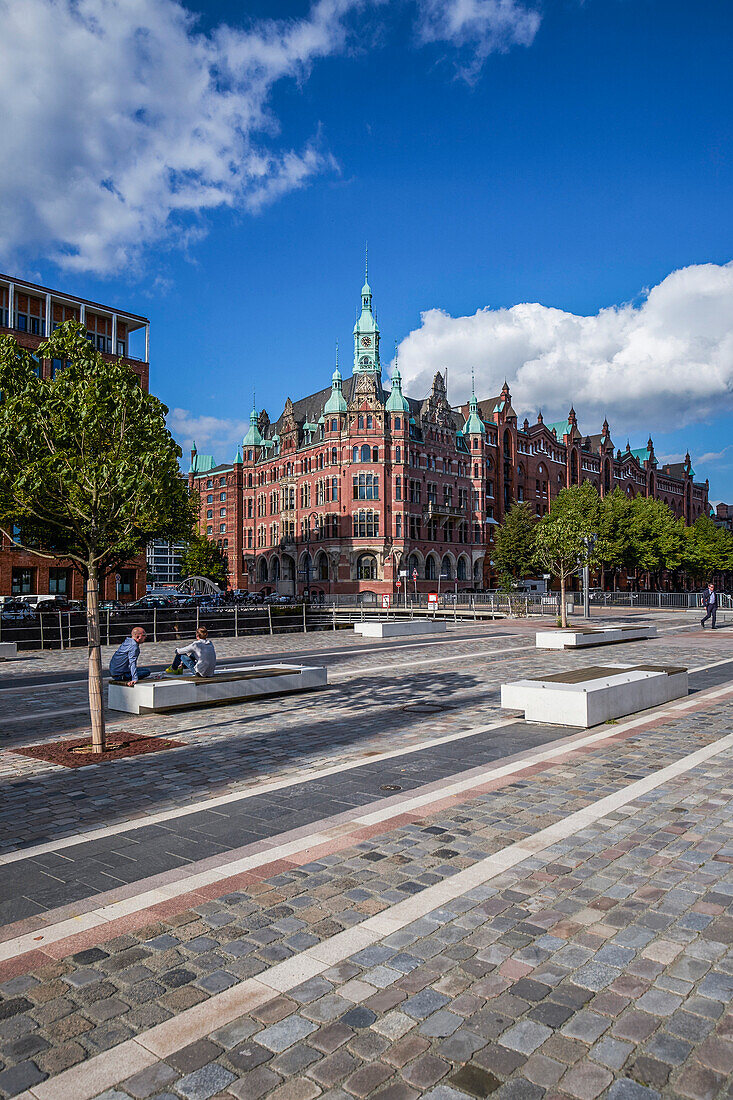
x=710, y=602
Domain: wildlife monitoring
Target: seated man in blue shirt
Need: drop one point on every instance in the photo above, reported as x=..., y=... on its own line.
x=123, y=665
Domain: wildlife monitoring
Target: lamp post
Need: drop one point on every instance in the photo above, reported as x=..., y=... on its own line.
x=590, y=542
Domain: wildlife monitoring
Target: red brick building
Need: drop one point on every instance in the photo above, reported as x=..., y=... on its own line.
x=353, y=486
x=30, y=313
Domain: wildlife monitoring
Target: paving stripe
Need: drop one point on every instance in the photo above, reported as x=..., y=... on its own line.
x=322, y=833
x=88, y=1079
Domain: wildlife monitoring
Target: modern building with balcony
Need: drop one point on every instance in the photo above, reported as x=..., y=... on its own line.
x=30, y=313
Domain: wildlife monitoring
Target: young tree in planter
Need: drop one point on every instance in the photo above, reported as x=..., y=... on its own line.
x=204, y=558
x=560, y=536
x=88, y=470
x=513, y=552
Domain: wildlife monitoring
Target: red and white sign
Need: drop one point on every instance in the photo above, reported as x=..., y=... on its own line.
x=398, y=584
x=433, y=599
x=414, y=574
x=386, y=602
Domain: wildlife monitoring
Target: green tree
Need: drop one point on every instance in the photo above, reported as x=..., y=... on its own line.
x=613, y=549
x=88, y=470
x=708, y=549
x=204, y=558
x=656, y=537
x=560, y=544
x=514, y=551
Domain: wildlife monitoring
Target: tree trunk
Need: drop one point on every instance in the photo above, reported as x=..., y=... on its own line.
x=96, y=702
x=563, y=608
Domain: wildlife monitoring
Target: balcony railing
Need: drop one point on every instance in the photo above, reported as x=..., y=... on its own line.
x=435, y=510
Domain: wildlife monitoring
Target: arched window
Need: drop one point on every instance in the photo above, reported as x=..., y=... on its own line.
x=375, y=454
x=322, y=567
x=413, y=565
x=445, y=568
x=507, y=444
x=573, y=467
x=366, y=453
x=262, y=570
x=397, y=423
x=355, y=455
x=334, y=456
x=431, y=568
x=461, y=571
x=366, y=568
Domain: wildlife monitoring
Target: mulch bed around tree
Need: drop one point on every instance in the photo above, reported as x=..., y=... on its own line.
x=121, y=744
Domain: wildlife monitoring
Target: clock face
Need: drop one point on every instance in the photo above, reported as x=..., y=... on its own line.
x=366, y=341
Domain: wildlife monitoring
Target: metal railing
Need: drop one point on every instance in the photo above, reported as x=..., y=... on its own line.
x=661, y=600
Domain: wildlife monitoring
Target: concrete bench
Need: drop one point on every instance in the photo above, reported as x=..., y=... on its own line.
x=588, y=696
x=231, y=685
x=8, y=649
x=399, y=628
x=580, y=637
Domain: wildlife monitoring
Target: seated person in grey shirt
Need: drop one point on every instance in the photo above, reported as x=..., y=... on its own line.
x=199, y=657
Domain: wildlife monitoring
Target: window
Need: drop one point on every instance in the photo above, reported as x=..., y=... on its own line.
x=209, y=484
x=413, y=565
x=432, y=493
x=398, y=527
x=58, y=581
x=430, y=568
x=415, y=492
x=366, y=453
x=210, y=498
x=334, y=425
x=366, y=525
x=415, y=528
x=361, y=423
x=398, y=488
x=398, y=454
x=127, y=582
x=210, y=513
x=23, y=582
x=397, y=425
x=222, y=511
x=209, y=530
x=57, y=365
x=366, y=487
x=334, y=456
x=370, y=421
x=222, y=496
x=366, y=568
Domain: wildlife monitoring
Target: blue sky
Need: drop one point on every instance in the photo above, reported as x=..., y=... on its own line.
x=545, y=189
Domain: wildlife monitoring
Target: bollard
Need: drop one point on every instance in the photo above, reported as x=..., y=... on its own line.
x=269, y=617
x=334, y=616
x=155, y=624
x=305, y=628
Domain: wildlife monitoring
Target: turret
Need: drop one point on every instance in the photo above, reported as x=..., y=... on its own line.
x=396, y=402
x=253, y=437
x=366, y=334
x=336, y=403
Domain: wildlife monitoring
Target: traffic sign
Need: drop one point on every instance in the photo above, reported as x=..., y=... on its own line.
x=386, y=601
x=414, y=574
x=398, y=584
x=118, y=577
x=433, y=599
x=403, y=573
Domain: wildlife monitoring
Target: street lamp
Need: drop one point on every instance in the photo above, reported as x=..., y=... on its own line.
x=590, y=544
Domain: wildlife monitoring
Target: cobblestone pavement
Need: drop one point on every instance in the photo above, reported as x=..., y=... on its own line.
x=601, y=965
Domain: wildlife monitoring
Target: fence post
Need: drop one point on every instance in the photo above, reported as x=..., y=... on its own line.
x=305, y=628
x=198, y=611
x=269, y=617
x=40, y=619
x=475, y=616
x=68, y=623
x=107, y=626
x=61, y=631
x=236, y=621
x=155, y=624
x=455, y=612
x=334, y=616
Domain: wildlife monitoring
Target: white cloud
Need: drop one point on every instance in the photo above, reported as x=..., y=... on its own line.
x=477, y=28
x=213, y=435
x=124, y=123
x=660, y=364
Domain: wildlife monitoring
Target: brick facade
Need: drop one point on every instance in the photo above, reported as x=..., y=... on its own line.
x=29, y=313
x=353, y=484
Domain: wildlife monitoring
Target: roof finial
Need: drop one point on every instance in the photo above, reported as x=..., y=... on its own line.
x=337, y=354
x=473, y=382
x=366, y=261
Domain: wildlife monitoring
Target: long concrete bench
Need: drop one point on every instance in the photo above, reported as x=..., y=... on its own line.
x=588, y=636
x=399, y=628
x=588, y=696
x=8, y=649
x=228, y=686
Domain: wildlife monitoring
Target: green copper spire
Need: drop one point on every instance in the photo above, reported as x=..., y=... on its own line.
x=397, y=402
x=253, y=437
x=366, y=333
x=474, y=425
x=336, y=402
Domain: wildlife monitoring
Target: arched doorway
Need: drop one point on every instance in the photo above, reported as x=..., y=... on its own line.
x=366, y=567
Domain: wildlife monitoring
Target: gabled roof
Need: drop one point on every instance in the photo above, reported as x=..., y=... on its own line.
x=200, y=464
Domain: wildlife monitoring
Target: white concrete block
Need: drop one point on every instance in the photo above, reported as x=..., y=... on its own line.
x=602, y=635
x=399, y=628
x=8, y=649
x=604, y=693
x=227, y=685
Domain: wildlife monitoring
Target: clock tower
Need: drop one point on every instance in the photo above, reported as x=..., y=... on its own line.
x=366, y=335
